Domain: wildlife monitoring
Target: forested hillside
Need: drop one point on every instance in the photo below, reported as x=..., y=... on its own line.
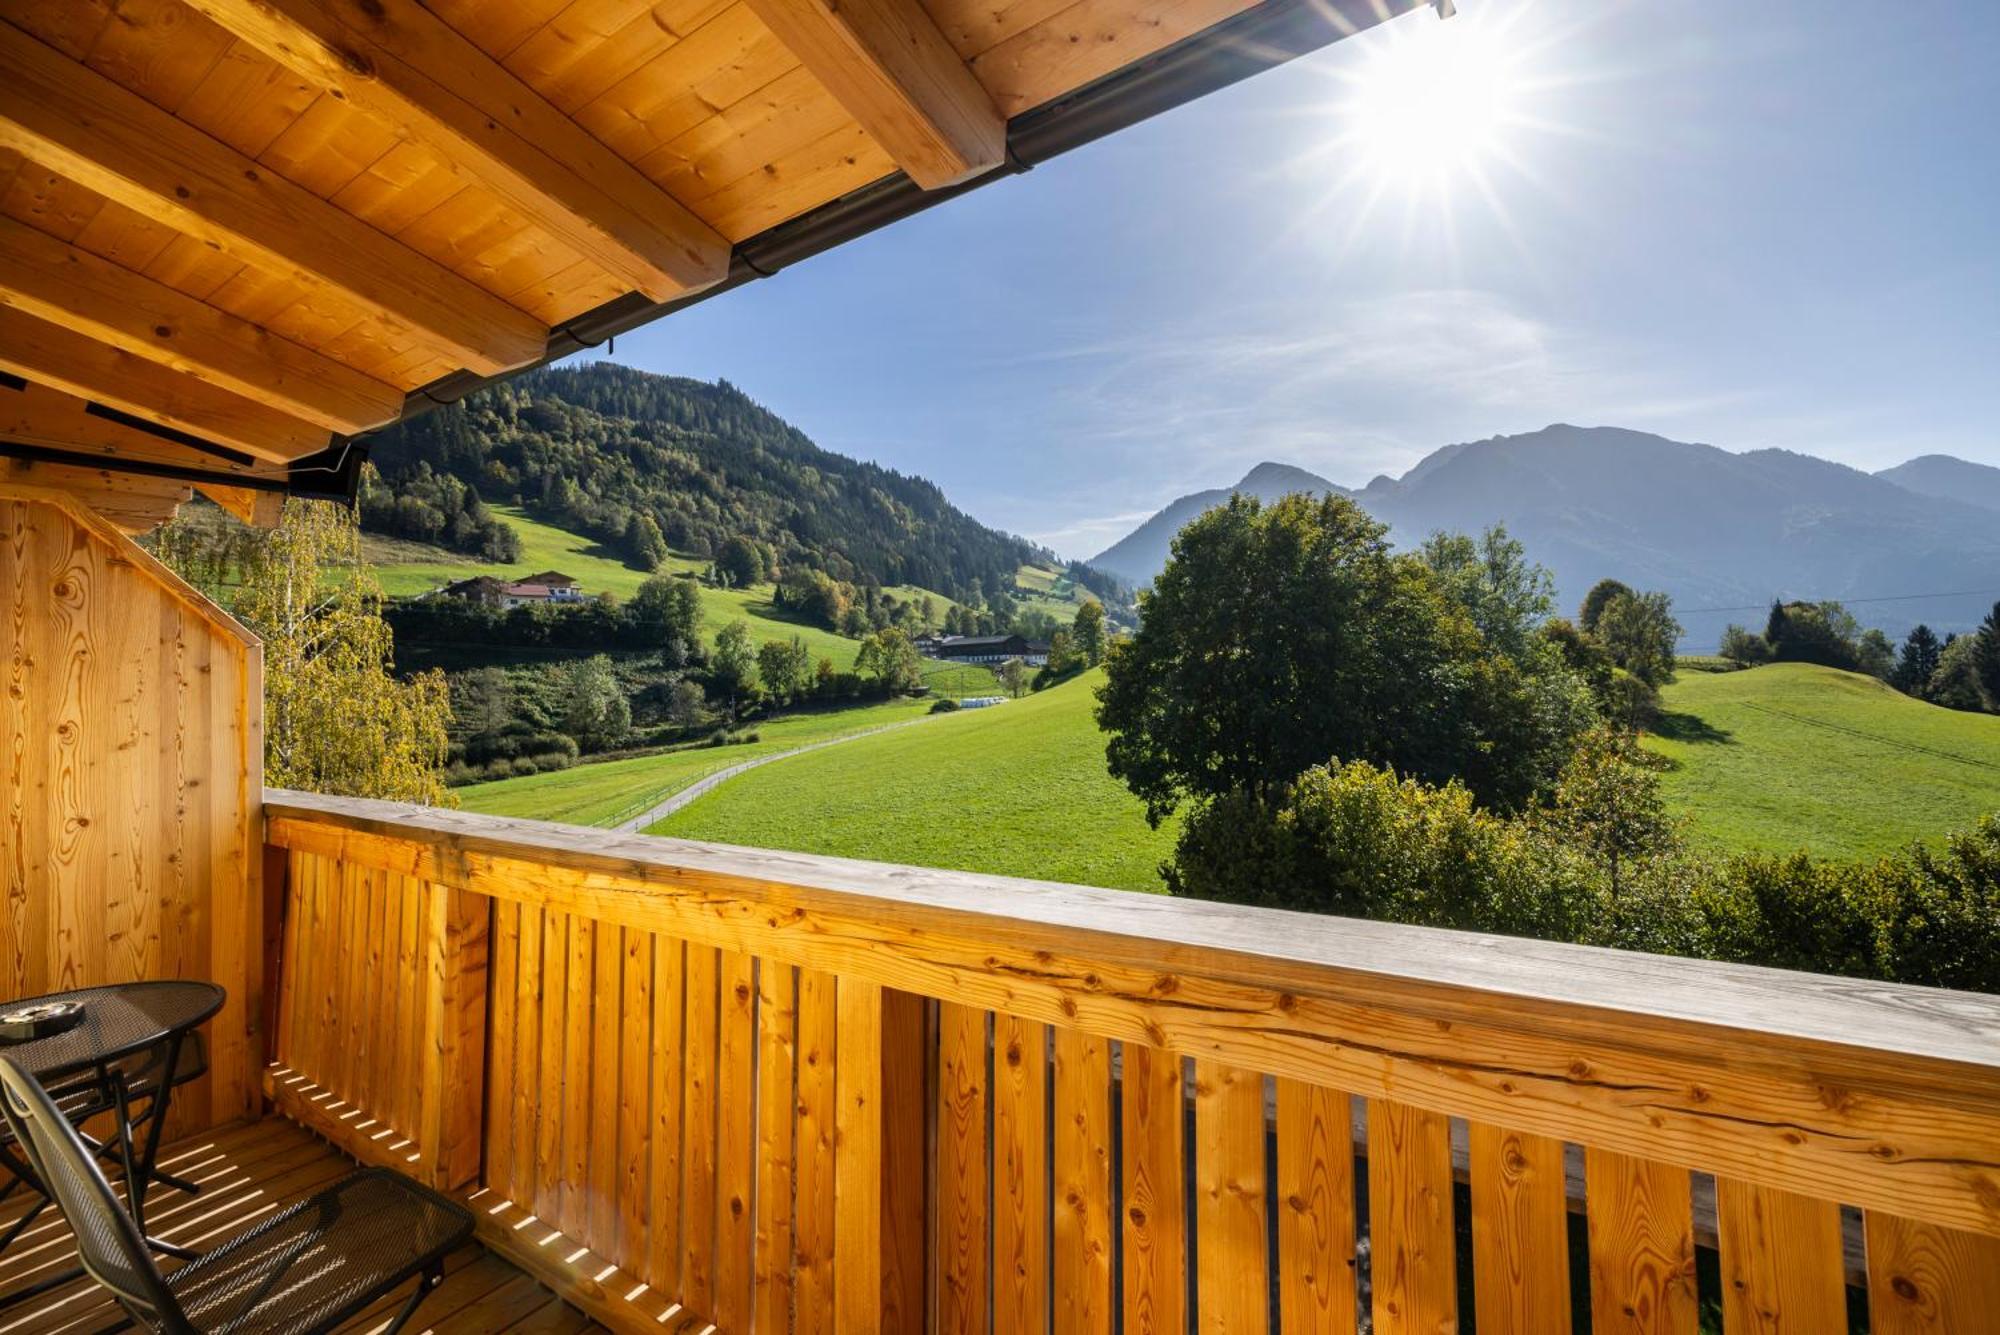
x=644, y=462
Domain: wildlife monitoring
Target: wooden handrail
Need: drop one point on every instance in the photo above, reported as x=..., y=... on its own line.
x=1797, y=1091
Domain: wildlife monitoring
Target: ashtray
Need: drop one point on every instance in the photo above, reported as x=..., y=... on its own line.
x=22, y=1023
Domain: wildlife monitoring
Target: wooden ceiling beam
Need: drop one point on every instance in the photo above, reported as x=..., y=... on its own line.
x=54, y=281
x=898, y=75
x=134, y=504
x=82, y=125
x=397, y=61
x=76, y=364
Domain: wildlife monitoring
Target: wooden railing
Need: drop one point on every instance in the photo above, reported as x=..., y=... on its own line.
x=777, y=1093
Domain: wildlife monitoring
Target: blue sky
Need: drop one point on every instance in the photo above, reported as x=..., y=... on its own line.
x=1750, y=225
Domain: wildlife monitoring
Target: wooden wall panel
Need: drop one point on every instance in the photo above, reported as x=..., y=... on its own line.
x=131, y=772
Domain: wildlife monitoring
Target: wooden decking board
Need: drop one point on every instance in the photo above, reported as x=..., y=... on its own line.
x=246, y=1172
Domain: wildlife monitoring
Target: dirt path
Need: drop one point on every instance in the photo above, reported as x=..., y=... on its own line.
x=670, y=805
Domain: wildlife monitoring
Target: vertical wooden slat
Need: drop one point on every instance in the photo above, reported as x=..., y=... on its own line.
x=635, y=1099
x=777, y=1116
x=736, y=1136
x=525, y=1119
x=1927, y=1280
x=1316, y=1233
x=907, y=1045
x=1641, y=1246
x=667, y=1092
x=1520, y=1232
x=455, y=1029
x=1082, y=1232
x=961, y=1170
x=1232, y=1238
x=857, y=1160
x=578, y=1069
x=500, y=1069
x=606, y=1051
x=698, y=1188
x=410, y=997
x=1153, y=1111
x=1782, y=1268
x=813, y=1236
x=1021, y=1176
x=1410, y=1220
x=553, y=991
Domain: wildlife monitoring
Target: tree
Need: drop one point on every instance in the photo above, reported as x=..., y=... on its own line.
x=1874, y=654
x=1918, y=663
x=734, y=659
x=1955, y=684
x=1639, y=632
x=645, y=546
x=667, y=608
x=336, y=719
x=595, y=710
x=1823, y=633
x=1087, y=633
x=892, y=660
x=1609, y=805
x=1986, y=657
x=1014, y=677
x=740, y=563
x=1507, y=596
x=1744, y=646
x=685, y=705
x=1594, y=602
x=1279, y=636
x=785, y=666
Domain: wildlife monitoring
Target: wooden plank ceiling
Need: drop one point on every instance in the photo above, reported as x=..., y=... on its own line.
x=259, y=224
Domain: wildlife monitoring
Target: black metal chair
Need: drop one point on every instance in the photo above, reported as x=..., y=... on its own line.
x=304, y=1270
x=82, y=1097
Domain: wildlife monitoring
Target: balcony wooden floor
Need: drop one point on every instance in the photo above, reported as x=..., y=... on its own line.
x=247, y=1172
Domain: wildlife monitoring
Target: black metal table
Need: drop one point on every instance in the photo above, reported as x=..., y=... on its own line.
x=120, y=1022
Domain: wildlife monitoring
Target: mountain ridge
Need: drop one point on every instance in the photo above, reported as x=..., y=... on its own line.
x=1718, y=530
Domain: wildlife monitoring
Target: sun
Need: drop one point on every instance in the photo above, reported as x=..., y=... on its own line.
x=1436, y=102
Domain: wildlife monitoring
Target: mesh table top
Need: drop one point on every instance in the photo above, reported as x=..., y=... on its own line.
x=118, y=1020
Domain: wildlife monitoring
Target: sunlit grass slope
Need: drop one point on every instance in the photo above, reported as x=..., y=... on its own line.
x=544, y=547
x=1794, y=756
x=602, y=793
x=1019, y=789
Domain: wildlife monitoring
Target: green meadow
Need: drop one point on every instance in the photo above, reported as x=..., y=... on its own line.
x=607, y=791
x=1018, y=789
x=1791, y=756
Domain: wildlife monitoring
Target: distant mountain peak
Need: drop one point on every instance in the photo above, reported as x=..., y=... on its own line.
x=1269, y=476
x=1947, y=477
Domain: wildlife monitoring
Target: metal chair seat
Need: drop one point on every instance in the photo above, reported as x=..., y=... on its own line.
x=323, y=1260
x=304, y=1270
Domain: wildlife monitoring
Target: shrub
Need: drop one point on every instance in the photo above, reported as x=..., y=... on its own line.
x=945, y=706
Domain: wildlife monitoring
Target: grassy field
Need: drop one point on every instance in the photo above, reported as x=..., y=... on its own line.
x=1019, y=790
x=602, y=793
x=406, y=568
x=1790, y=755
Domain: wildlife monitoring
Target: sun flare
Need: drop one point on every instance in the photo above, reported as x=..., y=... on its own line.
x=1439, y=100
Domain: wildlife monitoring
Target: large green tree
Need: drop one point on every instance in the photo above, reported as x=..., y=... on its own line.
x=1279, y=637
x=1986, y=657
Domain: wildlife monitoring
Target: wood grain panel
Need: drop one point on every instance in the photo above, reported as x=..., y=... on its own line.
x=1316, y=1232
x=736, y=1141
x=1081, y=1242
x=857, y=1160
x=1520, y=1232
x=128, y=781
x=1153, y=1114
x=813, y=1227
x=1021, y=1176
x=961, y=1171
x=1410, y=1220
x=1782, y=1270
x=698, y=1135
x=1641, y=1246
x=1926, y=1280
x=1232, y=1240
x=778, y=1117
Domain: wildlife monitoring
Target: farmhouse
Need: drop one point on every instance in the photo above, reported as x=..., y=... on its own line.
x=988, y=649
x=547, y=587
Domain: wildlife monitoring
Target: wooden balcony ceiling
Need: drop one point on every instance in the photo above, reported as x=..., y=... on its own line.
x=246, y=1173
x=262, y=223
